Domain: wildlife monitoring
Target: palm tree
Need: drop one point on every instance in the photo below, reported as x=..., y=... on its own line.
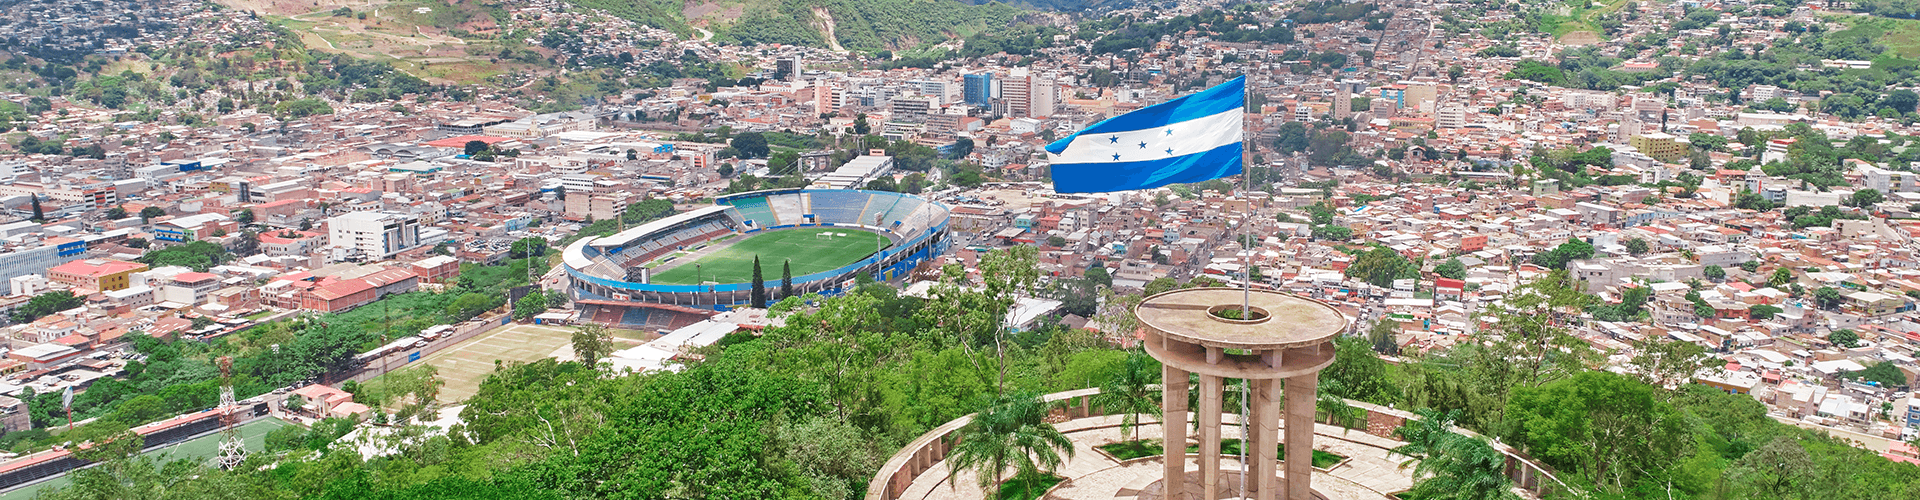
x=1129, y=392
x=1451, y=466
x=1012, y=433
x=1338, y=411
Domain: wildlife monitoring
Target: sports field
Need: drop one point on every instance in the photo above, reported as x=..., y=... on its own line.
x=464, y=366
x=809, y=252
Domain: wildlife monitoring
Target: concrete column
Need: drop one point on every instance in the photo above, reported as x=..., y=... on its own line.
x=1265, y=425
x=1300, y=399
x=1210, y=396
x=1173, y=429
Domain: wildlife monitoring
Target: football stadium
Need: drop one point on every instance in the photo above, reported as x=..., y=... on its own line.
x=701, y=261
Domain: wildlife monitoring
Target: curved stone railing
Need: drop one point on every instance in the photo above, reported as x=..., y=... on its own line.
x=923, y=452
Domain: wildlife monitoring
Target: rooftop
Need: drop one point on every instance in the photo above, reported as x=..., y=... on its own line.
x=1280, y=320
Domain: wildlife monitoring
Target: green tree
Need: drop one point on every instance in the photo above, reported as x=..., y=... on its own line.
x=1844, y=338
x=39, y=215
x=1451, y=466
x=1160, y=285
x=1098, y=275
x=116, y=213
x=474, y=147
x=469, y=305
x=1762, y=311
x=1715, y=273
x=1333, y=233
x=1884, y=373
x=1384, y=335
x=751, y=145
x=1781, y=277
x=1606, y=426
x=1780, y=469
x=1010, y=434
x=1638, y=247
x=529, y=306
x=1901, y=100
x=759, y=296
x=1572, y=250
x=1451, y=269
x=1380, y=266
x=1128, y=392
x=591, y=342
x=532, y=246
x=1827, y=297
x=1291, y=138
x=1659, y=362
x=1527, y=344
x=1866, y=198
x=786, y=279
x=148, y=214
x=47, y=303
x=1358, y=373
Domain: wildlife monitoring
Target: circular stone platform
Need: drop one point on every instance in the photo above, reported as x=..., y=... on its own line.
x=1229, y=488
x=1370, y=472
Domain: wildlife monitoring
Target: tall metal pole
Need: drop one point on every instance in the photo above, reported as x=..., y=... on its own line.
x=1246, y=245
x=880, y=247
x=1246, y=282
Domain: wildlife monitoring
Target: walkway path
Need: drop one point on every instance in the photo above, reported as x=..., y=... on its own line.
x=1370, y=473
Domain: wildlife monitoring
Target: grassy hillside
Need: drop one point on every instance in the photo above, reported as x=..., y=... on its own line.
x=663, y=14
x=854, y=24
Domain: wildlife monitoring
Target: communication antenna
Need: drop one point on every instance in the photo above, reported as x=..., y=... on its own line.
x=232, y=449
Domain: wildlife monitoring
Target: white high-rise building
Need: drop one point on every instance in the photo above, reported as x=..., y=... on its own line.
x=1451, y=117
x=376, y=235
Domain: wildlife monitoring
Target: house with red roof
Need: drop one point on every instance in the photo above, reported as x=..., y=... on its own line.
x=339, y=296
x=96, y=274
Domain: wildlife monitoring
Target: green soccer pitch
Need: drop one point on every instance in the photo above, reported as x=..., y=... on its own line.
x=809, y=252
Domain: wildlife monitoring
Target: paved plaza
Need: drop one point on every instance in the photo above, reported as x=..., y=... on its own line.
x=1371, y=472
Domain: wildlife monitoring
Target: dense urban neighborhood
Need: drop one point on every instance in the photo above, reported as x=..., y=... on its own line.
x=814, y=249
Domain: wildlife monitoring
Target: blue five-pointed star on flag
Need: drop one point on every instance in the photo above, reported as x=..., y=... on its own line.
x=1188, y=139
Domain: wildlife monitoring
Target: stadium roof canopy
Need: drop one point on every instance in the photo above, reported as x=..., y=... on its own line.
x=629, y=236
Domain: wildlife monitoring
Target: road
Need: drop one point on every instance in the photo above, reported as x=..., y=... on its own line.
x=704, y=34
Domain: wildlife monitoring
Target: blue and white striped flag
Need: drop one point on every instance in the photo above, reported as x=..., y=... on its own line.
x=1189, y=139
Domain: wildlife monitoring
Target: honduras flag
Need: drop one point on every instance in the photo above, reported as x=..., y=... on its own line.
x=1189, y=139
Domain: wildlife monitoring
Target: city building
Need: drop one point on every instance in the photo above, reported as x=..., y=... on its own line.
x=1660, y=145
x=96, y=274
x=1451, y=117
x=375, y=235
x=979, y=89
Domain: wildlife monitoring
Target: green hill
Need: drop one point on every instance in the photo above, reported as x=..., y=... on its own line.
x=853, y=24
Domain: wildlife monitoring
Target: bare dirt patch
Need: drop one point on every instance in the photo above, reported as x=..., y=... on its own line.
x=1580, y=38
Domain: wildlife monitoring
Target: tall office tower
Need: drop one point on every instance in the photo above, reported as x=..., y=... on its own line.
x=1029, y=95
x=1342, y=102
x=1017, y=92
x=1045, y=93
x=788, y=67
x=979, y=89
x=825, y=99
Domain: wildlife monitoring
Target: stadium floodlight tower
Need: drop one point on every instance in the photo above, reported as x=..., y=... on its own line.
x=1281, y=338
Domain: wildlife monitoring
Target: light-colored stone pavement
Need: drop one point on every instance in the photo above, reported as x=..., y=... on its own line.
x=1370, y=473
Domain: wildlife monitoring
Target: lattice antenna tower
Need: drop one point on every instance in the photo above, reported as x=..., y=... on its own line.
x=232, y=449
